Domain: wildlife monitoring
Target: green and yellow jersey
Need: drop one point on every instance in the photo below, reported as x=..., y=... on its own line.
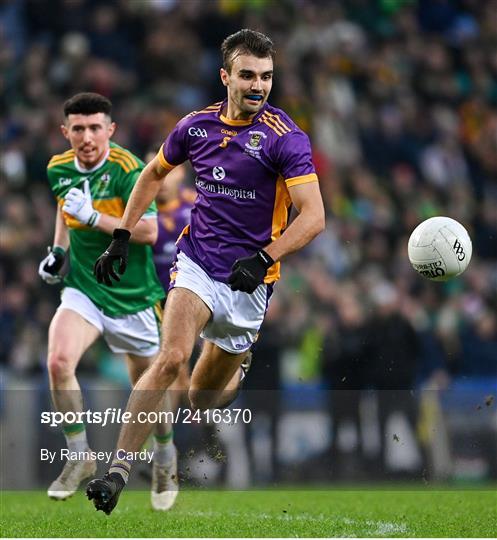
x=111, y=183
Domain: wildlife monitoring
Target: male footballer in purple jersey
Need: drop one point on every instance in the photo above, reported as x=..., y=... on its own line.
x=251, y=163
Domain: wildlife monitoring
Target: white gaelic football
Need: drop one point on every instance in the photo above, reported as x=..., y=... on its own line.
x=440, y=248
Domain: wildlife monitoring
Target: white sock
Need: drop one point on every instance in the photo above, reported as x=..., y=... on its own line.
x=163, y=452
x=77, y=442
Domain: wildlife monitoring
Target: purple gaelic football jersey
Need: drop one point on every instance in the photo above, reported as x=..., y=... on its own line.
x=243, y=172
x=173, y=217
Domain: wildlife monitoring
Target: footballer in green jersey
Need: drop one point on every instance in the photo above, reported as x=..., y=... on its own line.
x=92, y=183
x=110, y=183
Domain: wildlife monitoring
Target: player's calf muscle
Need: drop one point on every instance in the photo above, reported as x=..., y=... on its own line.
x=203, y=399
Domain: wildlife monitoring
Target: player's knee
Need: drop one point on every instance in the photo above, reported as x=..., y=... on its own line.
x=170, y=363
x=59, y=366
x=201, y=399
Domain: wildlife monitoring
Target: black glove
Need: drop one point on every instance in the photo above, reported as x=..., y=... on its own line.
x=50, y=266
x=117, y=251
x=249, y=272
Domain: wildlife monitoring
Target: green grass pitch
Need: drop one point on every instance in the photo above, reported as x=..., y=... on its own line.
x=271, y=513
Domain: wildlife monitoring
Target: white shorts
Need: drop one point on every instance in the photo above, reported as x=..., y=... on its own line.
x=138, y=333
x=236, y=316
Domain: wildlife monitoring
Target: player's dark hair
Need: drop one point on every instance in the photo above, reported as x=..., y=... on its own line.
x=246, y=42
x=87, y=103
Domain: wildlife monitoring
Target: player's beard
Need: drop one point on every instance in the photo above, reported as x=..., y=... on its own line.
x=251, y=109
x=89, y=160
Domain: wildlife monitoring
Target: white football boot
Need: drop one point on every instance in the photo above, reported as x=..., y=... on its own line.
x=73, y=473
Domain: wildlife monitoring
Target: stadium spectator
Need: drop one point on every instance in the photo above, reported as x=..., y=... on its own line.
x=392, y=352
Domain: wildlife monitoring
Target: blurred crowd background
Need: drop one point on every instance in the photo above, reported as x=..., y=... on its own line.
x=399, y=98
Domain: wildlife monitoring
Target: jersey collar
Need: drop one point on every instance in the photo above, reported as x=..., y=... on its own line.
x=239, y=122
x=93, y=169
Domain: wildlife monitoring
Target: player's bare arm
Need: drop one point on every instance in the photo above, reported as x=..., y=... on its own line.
x=144, y=192
x=51, y=265
x=307, y=225
x=78, y=204
x=248, y=273
x=61, y=233
x=144, y=232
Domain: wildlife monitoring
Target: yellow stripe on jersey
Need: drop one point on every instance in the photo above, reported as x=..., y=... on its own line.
x=158, y=311
x=131, y=163
x=282, y=202
x=278, y=121
x=119, y=157
x=305, y=179
x=61, y=158
x=111, y=207
x=71, y=222
x=53, y=163
x=63, y=155
x=214, y=107
x=120, y=161
x=134, y=160
x=234, y=122
x=275, y=129
x=163, y=161
x=206, y=111
x=125, y=155
x=184, y=232
x=209, y=109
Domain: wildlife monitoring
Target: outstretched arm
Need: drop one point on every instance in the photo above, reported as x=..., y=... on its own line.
x=145, y=231
x=78, y=204
x=145, y=191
